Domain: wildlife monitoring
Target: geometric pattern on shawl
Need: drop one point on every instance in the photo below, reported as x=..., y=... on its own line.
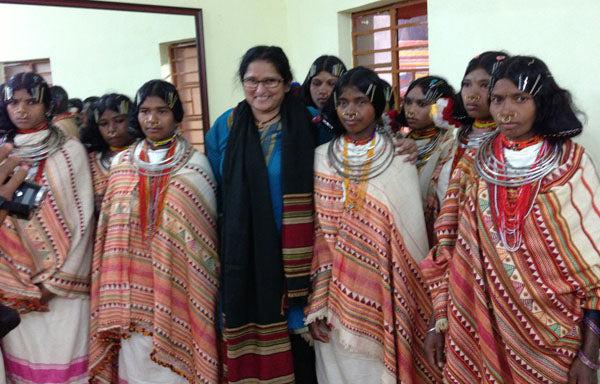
x=514, y=317
x=365, y=282
x=165, y=286
x=54, y=247
x=442, y=155
x=99, y=178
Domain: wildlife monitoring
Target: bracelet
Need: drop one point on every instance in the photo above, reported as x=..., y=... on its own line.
x=592, y=325
x=431, y=330
x=587, y=362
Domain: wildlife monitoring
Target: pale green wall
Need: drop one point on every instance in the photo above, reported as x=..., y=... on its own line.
x=230, y=28
x=564, y=35
x=91, y=52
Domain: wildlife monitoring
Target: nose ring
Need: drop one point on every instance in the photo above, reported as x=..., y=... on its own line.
x=473, y=98
x=350, y=116
x=507, y=118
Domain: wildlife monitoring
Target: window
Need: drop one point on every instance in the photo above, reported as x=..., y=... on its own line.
x=393, y=41
x=185, y=77
x=39, y=66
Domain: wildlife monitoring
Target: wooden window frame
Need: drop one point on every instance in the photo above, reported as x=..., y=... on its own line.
x=130, y=7
x=395, y=49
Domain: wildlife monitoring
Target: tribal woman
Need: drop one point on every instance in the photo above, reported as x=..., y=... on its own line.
x=324, y=72
x=45, y=261
x=107, y=133
x=515, y=278
x=426, y=99
x=473, y=113
x=155, y=269
x=368, y=309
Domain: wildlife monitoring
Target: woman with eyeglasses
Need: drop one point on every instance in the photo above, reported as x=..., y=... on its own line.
x=262, y=153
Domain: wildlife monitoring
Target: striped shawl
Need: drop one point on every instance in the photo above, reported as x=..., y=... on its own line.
x=54, y=247
x=166, y=286
x=513, y=317
x=365, y=277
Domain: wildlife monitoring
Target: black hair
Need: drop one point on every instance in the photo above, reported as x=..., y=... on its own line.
x=271, y=54
x=76, y=103
x=556, y=116
x=489, y=62
x=91, y=137
x=367, y=82
x=89, y=100
x=34, y=84
x=59, y=100
x=330, y=64
x=4, y=120
x=433, y=87
x=163, y=90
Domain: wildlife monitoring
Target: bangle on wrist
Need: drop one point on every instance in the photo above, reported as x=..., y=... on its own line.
x=592, y=326
x=587, y=361
x=431, y=330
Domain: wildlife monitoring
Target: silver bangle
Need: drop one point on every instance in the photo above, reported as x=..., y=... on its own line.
x=432, y=330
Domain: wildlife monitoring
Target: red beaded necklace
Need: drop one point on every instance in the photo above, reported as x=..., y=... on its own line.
x=40, y=127
x=511, y=205
x=152, y=191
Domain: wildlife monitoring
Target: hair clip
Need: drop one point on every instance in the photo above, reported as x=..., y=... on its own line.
x=531, y=62
x=313, y=71
x=371, y=91
x=138, y=99
x=335, y=102
x=535, y=91
x=8, y=93
x=124, y=107
x=337, y=70
x=38, y=93
x=500, y=57
x=172, y=99
x=388, y=94
x=96, y=115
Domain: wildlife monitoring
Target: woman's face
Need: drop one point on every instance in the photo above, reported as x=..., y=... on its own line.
x=321, y=86
x=416, y=110
x=474, y=94
x=156, y=119
x=356, y=113
x=514, y=111
x=114, y=127
x=24, y=111
x=264, y=87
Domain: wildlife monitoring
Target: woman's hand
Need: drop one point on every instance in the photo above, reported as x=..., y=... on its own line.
x=406, y=147
x=434, y=349
x=582, y=374
x=319, y=330
x=46, y=294
x=8, y=183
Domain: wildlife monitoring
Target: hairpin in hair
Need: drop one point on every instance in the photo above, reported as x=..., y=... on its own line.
x=434, y=92
x=37, y=93
x=337, y=70
x=387, y=93
x=124, y=107
x=96, y=115
x=531, y=62
x=171, y=99
x=8, y=93
x=535, y=88
x=371, y=91
x=335, y=101
x=312, y=71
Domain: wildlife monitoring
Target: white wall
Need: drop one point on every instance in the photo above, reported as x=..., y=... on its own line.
x=563, y=34
x=91, y=52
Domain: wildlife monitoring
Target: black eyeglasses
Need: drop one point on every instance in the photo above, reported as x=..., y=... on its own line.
x=252, y=84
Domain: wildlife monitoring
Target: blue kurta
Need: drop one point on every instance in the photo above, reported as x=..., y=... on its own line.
x=270, y=138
